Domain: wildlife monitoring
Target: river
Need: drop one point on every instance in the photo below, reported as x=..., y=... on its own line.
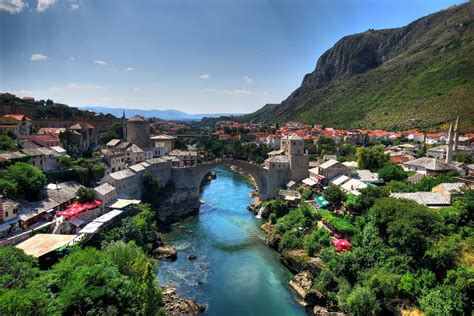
x=235, y=272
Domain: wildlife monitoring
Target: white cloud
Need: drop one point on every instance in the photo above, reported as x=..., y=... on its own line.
x=240, y=93
x=13, y=6
x=74, y=6
x=248, y=79
x=81, y=86
x=237, y=92
x=206, y=76
x=71, y=59
x=130, y=68
x=100, y=62
x=44, y=4
x=76, y=86
x=38, y=57
x=137, y=89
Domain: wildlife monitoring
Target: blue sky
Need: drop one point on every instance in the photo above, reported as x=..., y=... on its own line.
x=216, y=56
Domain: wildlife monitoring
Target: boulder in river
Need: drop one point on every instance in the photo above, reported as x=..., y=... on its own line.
x=174, y=305
x=192, y=257
x=165, y=253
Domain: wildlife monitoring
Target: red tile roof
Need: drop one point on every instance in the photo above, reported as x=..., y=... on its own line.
x=82, y=125
x=17, y=117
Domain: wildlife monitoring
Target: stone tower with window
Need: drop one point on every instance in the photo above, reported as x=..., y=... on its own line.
x=298, y=158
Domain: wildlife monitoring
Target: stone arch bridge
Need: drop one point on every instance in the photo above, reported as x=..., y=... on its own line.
x=187, y=182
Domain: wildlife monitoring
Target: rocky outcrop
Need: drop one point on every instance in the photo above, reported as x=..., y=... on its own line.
x=165, y=253
x=297, y=260
x=322, y=311
x=174, y=305
x=302, y=283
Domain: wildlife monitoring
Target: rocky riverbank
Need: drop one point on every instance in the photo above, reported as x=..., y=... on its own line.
x=305, y=268
x=174, y=305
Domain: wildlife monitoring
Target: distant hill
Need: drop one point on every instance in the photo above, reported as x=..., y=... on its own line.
x=162, y=114
x=420, y=75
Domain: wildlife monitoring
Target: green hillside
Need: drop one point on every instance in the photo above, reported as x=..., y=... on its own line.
x=420, y=75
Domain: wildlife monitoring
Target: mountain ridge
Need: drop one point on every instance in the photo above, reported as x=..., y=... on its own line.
x=419, y=75
x=170, y=114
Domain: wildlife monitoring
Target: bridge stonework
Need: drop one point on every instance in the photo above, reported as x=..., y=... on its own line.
x=187, y=182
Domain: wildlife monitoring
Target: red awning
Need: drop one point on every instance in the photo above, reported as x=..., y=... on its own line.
x=77, y=208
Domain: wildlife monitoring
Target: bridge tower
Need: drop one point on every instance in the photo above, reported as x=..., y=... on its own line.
x=298, y=158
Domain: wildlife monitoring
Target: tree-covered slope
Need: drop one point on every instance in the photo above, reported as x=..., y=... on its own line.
x=420, y=75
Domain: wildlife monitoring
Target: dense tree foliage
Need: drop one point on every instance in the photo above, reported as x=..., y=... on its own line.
x=151, y=190
x=139, y=227
x=115, y=132
x=335, y=195
x=118, y=280
x=22, y=180
x=402, y=253
x=372, y=158
x=6, y=142
x=392, y=172
x=85, y=194
x=86, y=171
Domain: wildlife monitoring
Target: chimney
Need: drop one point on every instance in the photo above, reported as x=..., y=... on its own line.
x=456, y=135
x=449, y=152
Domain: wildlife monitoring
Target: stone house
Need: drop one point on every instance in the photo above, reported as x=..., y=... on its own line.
x=106, y=193
x=427, y=166
x=16, y=124
x=441, y=151
x=187, y=158
x=42, y=158
x=86, y=135
x=332, y=168
x=125, y=182
x=163, y=141
x=8, y=216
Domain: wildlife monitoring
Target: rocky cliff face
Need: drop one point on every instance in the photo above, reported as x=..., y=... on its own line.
x=341, y=76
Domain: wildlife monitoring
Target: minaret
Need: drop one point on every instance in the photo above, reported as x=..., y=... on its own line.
x=449, y=152
x=456, y=135
x=124, y=126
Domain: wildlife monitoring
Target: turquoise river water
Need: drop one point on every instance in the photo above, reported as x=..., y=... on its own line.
x=235, y=273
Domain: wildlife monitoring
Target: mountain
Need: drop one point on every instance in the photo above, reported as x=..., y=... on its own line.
x=420, y=75
x=162, y=114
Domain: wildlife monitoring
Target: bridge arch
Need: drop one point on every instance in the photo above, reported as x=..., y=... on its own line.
x=253, y=169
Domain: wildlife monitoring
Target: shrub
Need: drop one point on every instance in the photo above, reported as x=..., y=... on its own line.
x=291, y=240
x=342, y=225
x=317, y=240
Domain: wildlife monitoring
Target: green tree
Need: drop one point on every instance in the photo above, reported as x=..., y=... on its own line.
x=85, y=195
x=150, y=292
x=405, y=225
x=8, y=188
x=28, y=179
x=392, y=172
x=151, y=191
x=6, y=142
x=362, y=301
x=335, y=195
x=317, y=240
x=372, y=158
